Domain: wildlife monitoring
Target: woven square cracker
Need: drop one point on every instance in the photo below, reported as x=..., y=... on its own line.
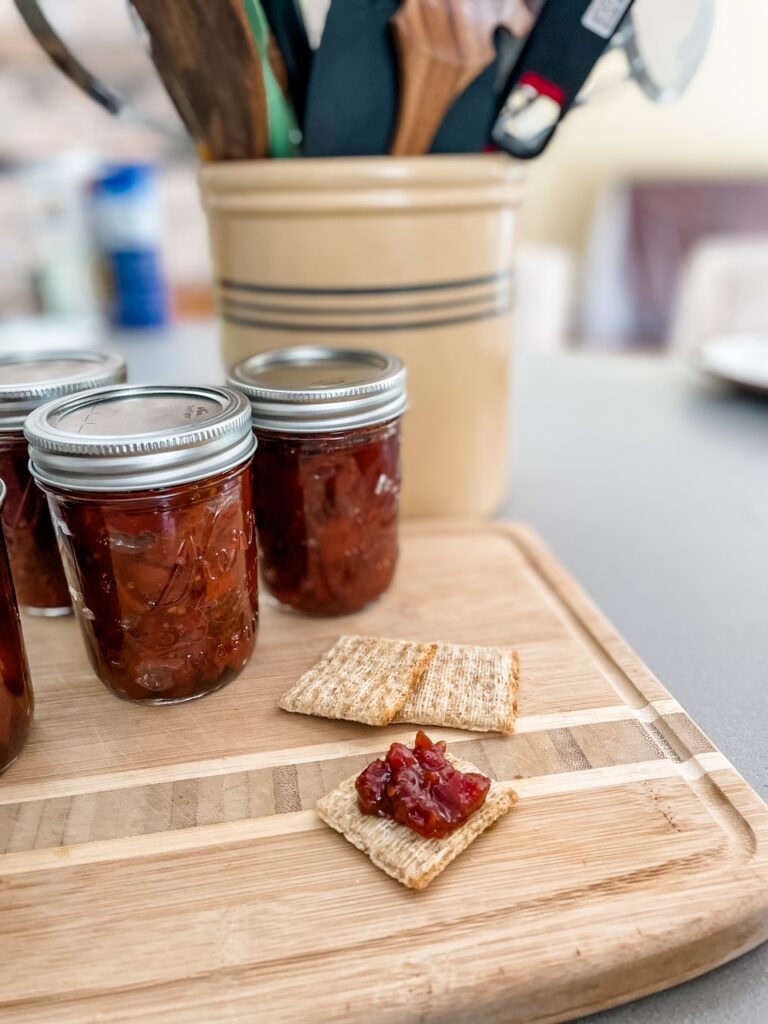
x=466, y=688
x=399, y=851
x=361, y=678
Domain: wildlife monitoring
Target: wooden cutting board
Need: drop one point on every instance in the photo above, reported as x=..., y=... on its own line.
x=165, y=864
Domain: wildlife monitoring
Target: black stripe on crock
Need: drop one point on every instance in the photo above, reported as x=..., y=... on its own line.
x=235, y=306
x=437, y=286
x=365, y=328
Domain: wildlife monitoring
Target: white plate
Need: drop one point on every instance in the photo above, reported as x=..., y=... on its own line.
x=737, y=358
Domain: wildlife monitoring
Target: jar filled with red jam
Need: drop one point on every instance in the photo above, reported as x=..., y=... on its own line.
x=150, y=491
x=16, y=701
x=326, y=473
x=26, y=381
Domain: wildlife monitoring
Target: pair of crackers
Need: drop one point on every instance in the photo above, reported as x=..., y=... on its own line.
x=378, y=681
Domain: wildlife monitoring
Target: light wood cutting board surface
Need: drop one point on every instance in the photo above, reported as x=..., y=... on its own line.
x=167, y=864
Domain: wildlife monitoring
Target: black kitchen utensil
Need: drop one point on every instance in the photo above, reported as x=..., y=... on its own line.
x=58, y=51
x=287, y=24
x=565, y=44
x=467, y=126
x=353, y=82
x=510, y=47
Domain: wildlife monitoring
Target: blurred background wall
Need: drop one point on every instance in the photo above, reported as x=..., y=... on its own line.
x=630, y=191
x=718, y=129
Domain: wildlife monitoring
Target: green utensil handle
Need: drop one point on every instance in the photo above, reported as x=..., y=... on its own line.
x=284, y=132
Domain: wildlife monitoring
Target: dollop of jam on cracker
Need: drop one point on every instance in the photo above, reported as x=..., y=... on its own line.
x=420, y=788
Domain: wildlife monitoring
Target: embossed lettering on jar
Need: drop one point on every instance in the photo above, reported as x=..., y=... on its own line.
x=151, y=493
x=326, y=473
x=16, y=699
x=27, y=380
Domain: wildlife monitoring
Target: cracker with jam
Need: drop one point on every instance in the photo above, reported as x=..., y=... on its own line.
x=415, y=810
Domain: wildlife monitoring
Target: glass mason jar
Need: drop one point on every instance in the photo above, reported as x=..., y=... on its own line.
x=16, y=699
x=326, y=473
x=26, y=381
x=150, y=491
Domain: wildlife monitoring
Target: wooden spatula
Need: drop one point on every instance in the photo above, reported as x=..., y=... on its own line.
x=208, y=61
x=444, y=45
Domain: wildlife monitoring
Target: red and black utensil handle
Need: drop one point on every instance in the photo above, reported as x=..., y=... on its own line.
x=568, y=39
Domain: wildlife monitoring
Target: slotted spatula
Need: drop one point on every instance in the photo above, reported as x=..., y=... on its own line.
x=353, y=85
x=207, y=57
x=443, y=47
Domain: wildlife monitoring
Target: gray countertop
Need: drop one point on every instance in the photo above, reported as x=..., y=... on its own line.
x=652, y=488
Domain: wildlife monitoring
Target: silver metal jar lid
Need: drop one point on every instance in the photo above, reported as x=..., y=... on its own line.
x=27, y=379
x=135, y=438
x=310, y=390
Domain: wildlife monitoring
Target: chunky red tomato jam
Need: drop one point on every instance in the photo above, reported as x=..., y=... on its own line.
x=32, y=548
x=326, y=511
x=16, y=701
x=165, y=584
x=420, y=788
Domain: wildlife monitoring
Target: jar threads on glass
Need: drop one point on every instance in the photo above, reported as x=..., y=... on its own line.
x=150, y=491
x=326, y=473
x=16, y=698
x=27, y=380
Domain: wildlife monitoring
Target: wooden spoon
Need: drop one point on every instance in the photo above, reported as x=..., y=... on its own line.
x=208, y=61
x=444, y=45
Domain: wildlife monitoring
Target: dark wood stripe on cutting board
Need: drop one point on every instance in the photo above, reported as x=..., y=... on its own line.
x=285, y=789
x=245, y=795
x=569, y=750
